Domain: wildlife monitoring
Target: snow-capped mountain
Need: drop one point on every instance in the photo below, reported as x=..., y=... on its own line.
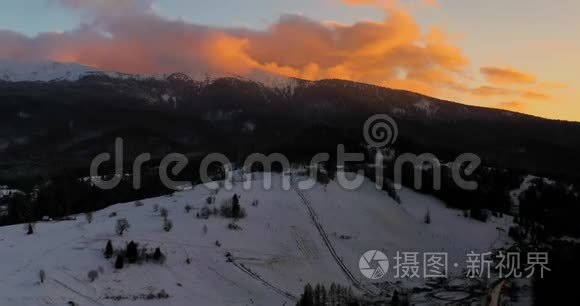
x=42, y=71
x=46, y=71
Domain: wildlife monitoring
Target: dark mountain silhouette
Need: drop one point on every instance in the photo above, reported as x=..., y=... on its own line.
x=49, y=125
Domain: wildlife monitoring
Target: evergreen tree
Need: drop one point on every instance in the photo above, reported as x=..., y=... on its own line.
x=120, y=262
x=157, y=255
x=236, y=207
x=42, y=276
x=332, y=294
x=317, y=295
x=132, y=252
x=395, y=300
x=323, y=297
x=109, y=250
x=427, y=218
x=307, y=298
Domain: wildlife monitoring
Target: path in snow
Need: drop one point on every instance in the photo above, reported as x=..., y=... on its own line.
x=328, y=244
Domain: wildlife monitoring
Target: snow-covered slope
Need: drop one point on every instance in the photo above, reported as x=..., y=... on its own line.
x=288, y=239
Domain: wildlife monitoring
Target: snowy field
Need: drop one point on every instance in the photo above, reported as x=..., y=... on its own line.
x=289, y=239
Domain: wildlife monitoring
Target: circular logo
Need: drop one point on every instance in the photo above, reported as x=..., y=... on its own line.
x=380, y=130
x=374, y=264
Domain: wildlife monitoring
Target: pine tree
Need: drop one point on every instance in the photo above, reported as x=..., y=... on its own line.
x=307, y=298
x=42, y=276
x=157, y=255
x=427, y=218
x=332, y=294
x=236, y=207
x=109, y=250
x=395, y=300
x=132, y=252
x=120, y=262
x=349, y=295
x=317, y=295
x=340, y=295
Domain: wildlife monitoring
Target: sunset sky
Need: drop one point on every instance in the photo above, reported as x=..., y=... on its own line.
x=522, y=55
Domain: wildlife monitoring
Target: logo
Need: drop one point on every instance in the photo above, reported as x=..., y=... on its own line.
x=380, y=130
x=376, y=259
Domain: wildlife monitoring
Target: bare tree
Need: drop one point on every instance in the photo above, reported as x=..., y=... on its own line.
x=29, y=228
x=122, y=226
x=167, y=225
x=164, y=212
x=93, y=275
x=89, y=217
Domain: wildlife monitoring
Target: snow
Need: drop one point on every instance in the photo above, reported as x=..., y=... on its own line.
x=399, y=111
x=279, y=249
x=6, y=191
x=46, y=71
x=377, y=222
x=43, y=71
x=271, y=80
x=427, y=106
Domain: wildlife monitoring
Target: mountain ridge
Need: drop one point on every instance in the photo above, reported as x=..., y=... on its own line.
x=52, y=71
x=70, y=122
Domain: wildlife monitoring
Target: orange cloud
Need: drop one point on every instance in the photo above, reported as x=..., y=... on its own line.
x=533, y=95
x=553, y=85
x=488, y=91
x=506, y=75
x=393, y=52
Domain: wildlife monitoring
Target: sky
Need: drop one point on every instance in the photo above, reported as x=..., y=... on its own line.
x=521, y=55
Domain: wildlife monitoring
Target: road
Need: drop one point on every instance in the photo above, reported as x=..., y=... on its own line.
x=496, y=294
x=255, y=276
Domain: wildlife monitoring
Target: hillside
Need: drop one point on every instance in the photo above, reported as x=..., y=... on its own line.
x=278, y=249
